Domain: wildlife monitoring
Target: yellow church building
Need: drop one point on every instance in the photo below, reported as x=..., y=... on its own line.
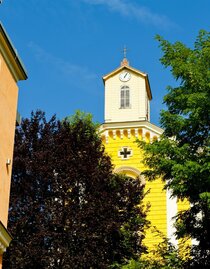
x=127, y=118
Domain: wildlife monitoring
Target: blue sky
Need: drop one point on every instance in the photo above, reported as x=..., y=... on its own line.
x=68, y=45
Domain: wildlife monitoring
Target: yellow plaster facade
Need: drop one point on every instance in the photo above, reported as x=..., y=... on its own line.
x=11, y=71
x=126, y=137
x=127, y=118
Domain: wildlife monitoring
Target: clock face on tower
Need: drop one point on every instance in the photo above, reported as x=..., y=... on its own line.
x=125, y=76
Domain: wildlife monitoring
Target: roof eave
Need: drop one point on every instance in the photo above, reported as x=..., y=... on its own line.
x=121, y=68
x=10, y=54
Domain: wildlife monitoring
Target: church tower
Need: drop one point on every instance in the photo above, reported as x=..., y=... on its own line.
x=127, y=118
x=131, y=102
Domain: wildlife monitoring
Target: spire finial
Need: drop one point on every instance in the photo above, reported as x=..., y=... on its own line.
x=125, y=61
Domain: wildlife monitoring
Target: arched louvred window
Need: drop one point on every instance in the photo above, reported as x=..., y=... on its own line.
x=130, y=172
x=125, y=97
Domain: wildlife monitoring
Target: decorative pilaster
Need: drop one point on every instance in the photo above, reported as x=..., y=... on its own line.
x=114, y=134
x=136, y=132
x=143, y=134
x=171, y=213
x=129, y=133
x=121, y=133
x=107, y=136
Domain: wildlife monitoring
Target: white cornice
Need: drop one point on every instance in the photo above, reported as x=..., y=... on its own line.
x=131, y=124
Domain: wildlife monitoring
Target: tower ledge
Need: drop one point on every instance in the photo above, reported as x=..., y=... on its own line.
x=142, y=130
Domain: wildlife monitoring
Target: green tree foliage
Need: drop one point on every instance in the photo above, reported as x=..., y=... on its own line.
x=164, y=255
x=169, y=258
x=182, y=156
x=68, y=209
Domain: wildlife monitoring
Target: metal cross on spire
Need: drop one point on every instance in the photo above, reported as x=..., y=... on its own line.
x=125, y=51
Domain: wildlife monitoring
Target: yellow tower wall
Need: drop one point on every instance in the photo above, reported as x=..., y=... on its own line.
x=156, y=197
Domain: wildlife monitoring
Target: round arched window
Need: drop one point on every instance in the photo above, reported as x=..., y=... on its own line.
x=125, y=97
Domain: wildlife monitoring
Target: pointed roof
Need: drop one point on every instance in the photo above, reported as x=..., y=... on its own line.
x=125, y=65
